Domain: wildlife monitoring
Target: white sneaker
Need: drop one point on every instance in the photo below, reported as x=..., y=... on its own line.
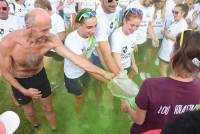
x=142, y=75
x=157, y=62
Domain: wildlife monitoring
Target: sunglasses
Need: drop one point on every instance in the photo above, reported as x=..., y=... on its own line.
x=175, y=12
x=133, y=11
x=4, y=8
x=86, y=15
x=109, y=1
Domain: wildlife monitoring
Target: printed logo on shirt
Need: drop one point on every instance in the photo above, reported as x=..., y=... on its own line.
x=124, y=49
x=178, y=109
x=1, y=31
x=148, y=15
x=20, y=10
x=111, y=25
x=11, y=30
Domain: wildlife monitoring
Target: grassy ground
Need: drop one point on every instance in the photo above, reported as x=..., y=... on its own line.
x=94, y=118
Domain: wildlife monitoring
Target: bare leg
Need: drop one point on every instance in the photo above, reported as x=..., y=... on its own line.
x=29, y=112
x=48, y=111
x=78, y=103
x=80, y=99
x=163, y=68
x=98, y=91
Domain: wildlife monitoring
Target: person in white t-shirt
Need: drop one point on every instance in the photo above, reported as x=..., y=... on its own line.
x=191, y=16
x=170, y=4
x=158, y=25
x=121, y=8
x=18, y=8
x=170, y=33
x=69, y=10
x=159, y=18
x=29, y=4
x=122, y=41
x=196, y=15
x=146, y=24
x=8, y=23
x=58, y=27
x=54, y=5
x=141, y=34
x=106, y=24
x=81, y=42
x=92, y=4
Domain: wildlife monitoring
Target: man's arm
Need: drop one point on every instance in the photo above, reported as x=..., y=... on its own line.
x=155, y=41
x=6, y=47
x=105, y=51
x=79, y=60
x=117, y=58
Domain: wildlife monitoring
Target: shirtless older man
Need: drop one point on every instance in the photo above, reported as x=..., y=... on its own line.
x=21, y=55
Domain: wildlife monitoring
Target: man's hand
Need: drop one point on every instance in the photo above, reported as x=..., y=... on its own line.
x=134, y=68
x=33, y=93
x=125, y=106
x=108, y=75
x=165, y=34
x=155, y=42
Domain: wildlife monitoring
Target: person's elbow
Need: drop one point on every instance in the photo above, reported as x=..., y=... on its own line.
x=139, y=116
x=139, y=121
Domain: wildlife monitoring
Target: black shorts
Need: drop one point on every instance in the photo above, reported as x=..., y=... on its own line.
x=38, y=81
x=75, y=86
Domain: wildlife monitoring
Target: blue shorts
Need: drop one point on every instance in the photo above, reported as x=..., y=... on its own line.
x=75, y=86
x=38, y=81
x=67, y=18
x=96, y=61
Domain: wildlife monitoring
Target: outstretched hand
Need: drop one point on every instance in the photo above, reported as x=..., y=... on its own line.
x=108, y=75
x=125, y=106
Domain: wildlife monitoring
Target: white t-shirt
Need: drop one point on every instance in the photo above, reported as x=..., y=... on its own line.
x=29, y=4
x=79, y=46
x=9, y=25
x=57, y=24
x=167, y=45
x=197, y=20
x=54, y=5
x=141, y=32
x=170, y=4
x=105, y=25
x=124, y=3
x=123, y=44
x=18, y=9
x=92, y=4
x=69, y=8
x=158, y=24
x=10, y=1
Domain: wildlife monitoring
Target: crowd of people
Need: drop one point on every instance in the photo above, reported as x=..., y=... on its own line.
x=100, y=39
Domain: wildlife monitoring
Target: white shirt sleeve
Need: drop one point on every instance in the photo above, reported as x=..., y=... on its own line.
x=72, y=43
x=101, y=31
x=60, y=26
x=11, y=6
x=116, y=42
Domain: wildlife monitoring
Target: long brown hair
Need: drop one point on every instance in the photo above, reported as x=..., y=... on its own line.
x=184, y=53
